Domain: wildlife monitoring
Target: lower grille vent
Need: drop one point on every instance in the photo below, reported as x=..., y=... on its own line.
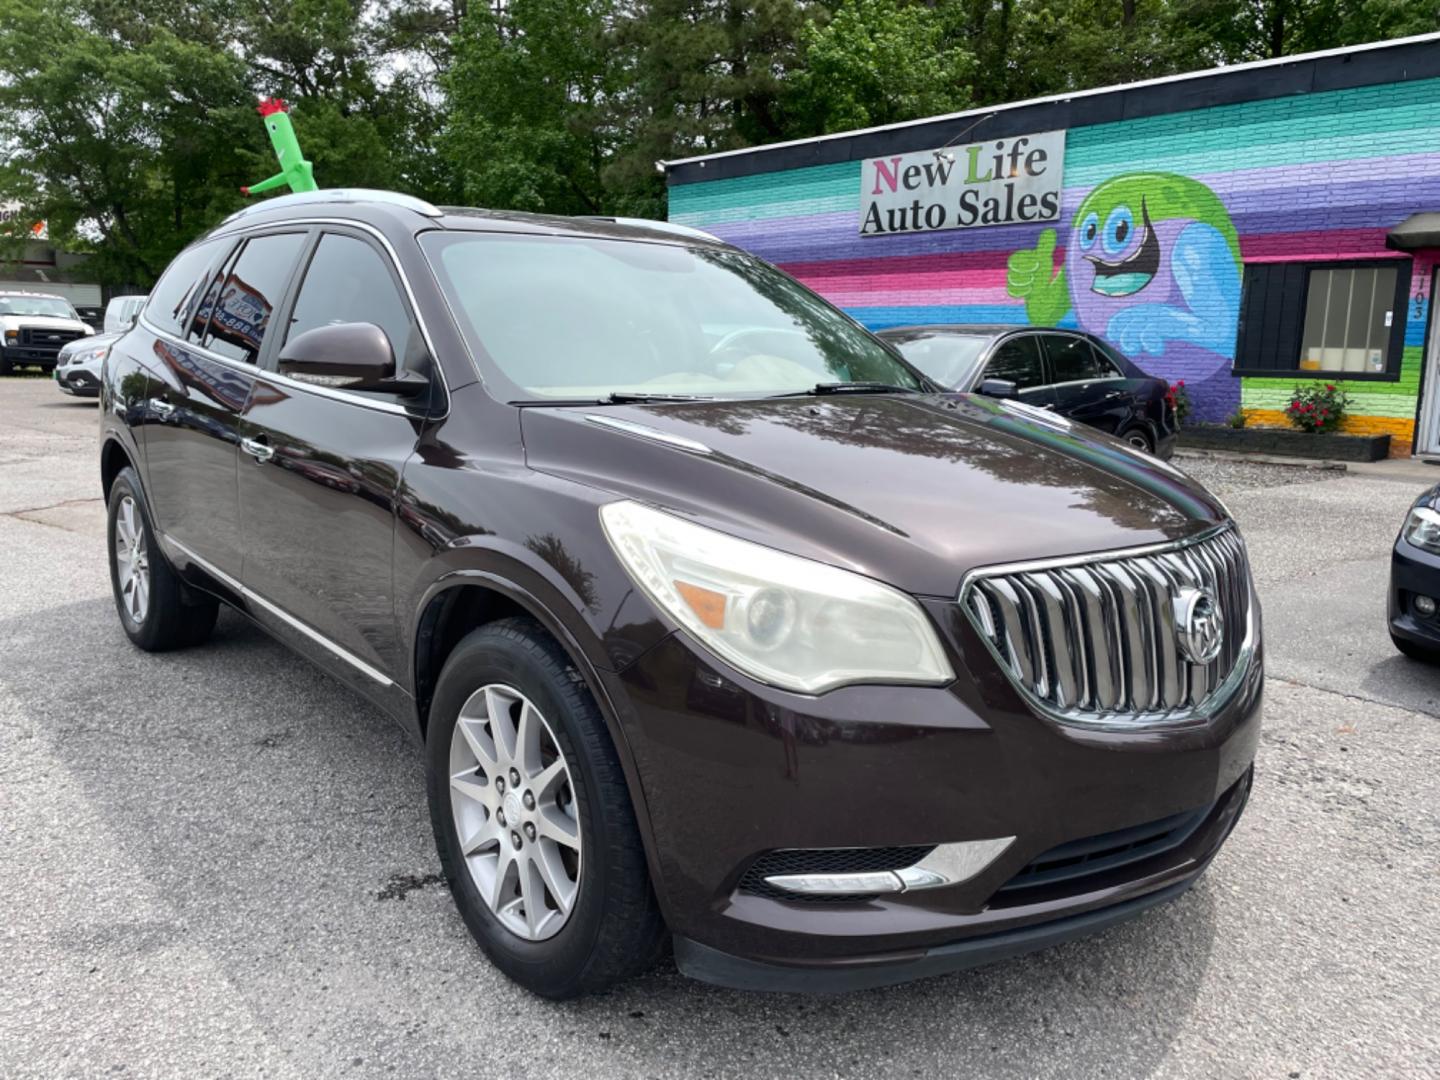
x=1076, y=866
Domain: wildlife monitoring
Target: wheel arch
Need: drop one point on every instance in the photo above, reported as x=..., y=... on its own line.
x=113, y=458
x=465, y=599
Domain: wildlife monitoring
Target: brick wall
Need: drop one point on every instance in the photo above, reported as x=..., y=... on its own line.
x=1310, y=178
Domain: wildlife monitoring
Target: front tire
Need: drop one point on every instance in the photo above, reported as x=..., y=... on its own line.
x=156, y=610
x=532, y=816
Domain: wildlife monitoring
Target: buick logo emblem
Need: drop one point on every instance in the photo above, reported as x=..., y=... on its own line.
x=1199, y=625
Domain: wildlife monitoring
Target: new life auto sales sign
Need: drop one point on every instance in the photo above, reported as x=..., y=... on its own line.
x=997, y=182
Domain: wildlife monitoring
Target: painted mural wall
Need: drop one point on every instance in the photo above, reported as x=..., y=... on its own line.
x=1159, y=216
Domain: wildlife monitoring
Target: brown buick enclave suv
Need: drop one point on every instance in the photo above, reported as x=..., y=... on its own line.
x=718, y=624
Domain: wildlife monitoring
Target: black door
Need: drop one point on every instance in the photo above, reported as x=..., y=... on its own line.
x=203, y=371
x=1018, y=359
x=319, y=472
x=1088, y=388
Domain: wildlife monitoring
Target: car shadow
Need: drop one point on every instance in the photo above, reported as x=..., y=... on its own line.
x=282, y=821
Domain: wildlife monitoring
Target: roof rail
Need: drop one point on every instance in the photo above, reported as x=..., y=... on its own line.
x=658, y=226
x=338, y=195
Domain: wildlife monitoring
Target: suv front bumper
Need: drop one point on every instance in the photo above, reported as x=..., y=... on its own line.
x=30, y=355
x=732, y=770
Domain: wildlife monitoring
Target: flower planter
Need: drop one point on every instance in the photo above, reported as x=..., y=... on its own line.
x=1286, y=443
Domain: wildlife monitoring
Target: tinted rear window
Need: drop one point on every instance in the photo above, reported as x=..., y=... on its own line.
x=178, y=288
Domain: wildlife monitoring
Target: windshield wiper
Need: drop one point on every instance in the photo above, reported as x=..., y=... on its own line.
x=626, y=398
x=824, y=388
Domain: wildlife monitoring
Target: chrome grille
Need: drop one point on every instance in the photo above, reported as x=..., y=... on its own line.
x=1094, y=639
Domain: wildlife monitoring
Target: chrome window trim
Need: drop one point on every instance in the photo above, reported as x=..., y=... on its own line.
x=1040, y=332
x=279, y=612
x=1218, y=699
x=323, y=391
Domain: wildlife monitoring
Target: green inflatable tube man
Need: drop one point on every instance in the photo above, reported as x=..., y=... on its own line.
x=294, y=169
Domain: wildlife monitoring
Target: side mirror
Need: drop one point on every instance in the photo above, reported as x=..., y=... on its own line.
x=347, y=356
x=998, y=388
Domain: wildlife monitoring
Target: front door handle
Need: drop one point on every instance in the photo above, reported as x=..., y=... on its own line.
x=259, y=450
x=161, y=408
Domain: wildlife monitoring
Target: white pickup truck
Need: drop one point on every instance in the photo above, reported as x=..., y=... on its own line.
x=35, y=327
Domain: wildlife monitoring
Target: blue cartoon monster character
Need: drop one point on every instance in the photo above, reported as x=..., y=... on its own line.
x=1153, y=266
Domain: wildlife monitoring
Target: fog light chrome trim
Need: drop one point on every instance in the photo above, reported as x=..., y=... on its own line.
x=952, y=864
x=948, y=864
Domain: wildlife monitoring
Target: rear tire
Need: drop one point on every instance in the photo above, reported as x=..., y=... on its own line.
x=1416, y=652
x=506, y=677
x=157, y=611
x=1140, y=439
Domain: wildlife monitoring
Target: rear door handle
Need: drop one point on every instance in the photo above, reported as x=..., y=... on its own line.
x=161, y=408
x=260, y=451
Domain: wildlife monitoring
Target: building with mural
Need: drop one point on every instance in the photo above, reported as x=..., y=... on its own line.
x=1247, y=229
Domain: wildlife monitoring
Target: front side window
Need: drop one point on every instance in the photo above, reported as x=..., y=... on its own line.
x=1071, y=358
x=1017, y=360
x=349, y=281
x=248, y=294
x=1323, y=319
x=583, y=318
x=49, y=307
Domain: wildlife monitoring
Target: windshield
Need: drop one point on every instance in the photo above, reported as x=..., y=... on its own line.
x=37, y=305
x=575, y=317
x=946, y=358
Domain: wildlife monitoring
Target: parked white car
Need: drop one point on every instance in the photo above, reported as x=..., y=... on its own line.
x=77, y=370
x=121, y=312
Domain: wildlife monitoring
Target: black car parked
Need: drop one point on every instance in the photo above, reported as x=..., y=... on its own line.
x=715, y=622
x=1074, y=374
x=1414, y=606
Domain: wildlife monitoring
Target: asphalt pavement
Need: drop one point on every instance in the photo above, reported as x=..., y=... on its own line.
x=218, y=862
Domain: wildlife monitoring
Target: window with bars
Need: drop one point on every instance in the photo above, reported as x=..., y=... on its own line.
x=1329, y=319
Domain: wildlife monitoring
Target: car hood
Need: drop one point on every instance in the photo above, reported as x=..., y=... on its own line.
x=913, y=490
x=55, y=321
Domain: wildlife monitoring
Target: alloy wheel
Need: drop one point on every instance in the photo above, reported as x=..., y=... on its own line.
x=514, y=811
x=132, y=561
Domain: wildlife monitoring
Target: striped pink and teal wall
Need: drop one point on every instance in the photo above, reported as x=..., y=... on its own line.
x=1319, y=176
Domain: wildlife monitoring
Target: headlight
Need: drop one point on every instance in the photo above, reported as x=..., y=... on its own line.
x=89, y=356
x=781, y=619
x=1422, y=528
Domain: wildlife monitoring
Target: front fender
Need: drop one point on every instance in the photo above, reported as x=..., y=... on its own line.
x=528, y=581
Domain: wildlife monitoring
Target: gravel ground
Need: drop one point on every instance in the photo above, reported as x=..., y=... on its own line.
x=1224, y=476
x=218, y=863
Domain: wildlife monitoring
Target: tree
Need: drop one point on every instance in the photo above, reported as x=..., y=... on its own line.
x=876, y=62
x=526, y=93
x=116, y=130
x=696, y=76
x=1233, y=31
